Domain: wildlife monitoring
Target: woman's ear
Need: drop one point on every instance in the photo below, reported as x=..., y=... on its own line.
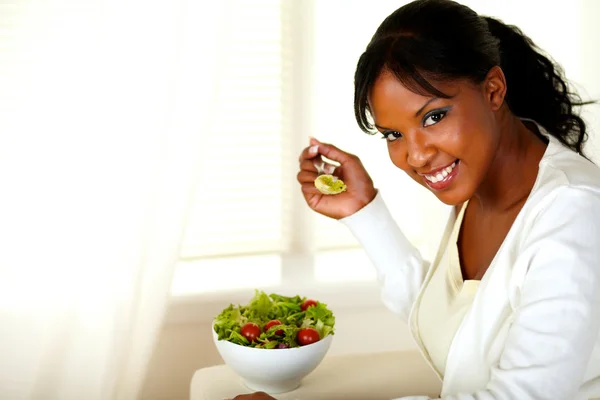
x=494, y=88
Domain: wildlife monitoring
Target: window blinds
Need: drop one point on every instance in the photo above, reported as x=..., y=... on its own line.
x=238, y=207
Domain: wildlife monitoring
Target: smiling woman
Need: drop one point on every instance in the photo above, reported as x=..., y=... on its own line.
x=473, y=111
x=445, y=137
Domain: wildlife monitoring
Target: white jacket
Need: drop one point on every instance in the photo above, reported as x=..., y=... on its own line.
x=533, y=329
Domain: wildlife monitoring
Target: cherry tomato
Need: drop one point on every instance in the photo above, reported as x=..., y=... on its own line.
x=273, y=323
x=308, y=336
x=308, y=303
x=250, y=331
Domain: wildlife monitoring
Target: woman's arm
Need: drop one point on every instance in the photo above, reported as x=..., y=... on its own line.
x=556, y=325
x=400, y=266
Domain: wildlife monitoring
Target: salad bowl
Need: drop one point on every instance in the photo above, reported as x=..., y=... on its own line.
x=274, y=341
x=272, y=370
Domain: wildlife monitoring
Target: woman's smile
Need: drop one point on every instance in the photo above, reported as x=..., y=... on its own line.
x=441, y=178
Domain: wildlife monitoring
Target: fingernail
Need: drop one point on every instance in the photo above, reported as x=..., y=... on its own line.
x=329, y=169
x=313, y=149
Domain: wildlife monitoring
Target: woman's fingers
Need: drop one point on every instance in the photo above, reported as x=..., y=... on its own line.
x=326, y=149
x=309, y=188
x=254, y=396
x=309, y=152
x=307, y=176
x=333, y=153
x=310, y=165
x=348, y=168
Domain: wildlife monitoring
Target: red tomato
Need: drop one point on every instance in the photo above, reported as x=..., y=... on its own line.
x=308, y=336
x=250, y=331
x=273, y=323
x=308, y=303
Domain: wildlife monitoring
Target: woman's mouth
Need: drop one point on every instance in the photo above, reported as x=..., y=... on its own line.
x=442, y=178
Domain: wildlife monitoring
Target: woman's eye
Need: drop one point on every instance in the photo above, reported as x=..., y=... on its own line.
x=390, y=136
x=434, y=118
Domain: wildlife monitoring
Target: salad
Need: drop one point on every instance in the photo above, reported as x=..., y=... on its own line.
x=275, y=322
x=329, y=184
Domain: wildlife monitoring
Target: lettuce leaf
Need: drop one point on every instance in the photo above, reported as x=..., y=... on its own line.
x=320, y=315
x=228, y=321
x=259, y=307
x=263, y=308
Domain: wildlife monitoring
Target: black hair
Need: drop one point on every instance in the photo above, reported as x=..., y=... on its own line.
x=443, y=40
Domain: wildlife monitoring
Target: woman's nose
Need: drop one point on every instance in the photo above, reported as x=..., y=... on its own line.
x=419, y=153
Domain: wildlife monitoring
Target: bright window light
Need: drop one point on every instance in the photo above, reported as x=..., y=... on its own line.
x=229, y=273
x=350, y=265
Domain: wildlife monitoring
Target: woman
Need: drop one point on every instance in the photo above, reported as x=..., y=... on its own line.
x=470, y=109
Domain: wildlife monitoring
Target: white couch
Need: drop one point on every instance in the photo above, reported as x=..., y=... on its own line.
x=380, y=376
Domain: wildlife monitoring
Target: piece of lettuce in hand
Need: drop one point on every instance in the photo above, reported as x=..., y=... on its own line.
x=329, y=184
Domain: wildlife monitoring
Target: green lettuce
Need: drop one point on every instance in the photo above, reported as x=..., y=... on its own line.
x=263, y=308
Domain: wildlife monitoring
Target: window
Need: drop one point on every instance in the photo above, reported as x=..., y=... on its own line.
x=287, y=73
x=249, y=226
x=241, y=190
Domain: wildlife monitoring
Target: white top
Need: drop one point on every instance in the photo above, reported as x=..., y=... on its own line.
x=446, y=299
x=532, y=331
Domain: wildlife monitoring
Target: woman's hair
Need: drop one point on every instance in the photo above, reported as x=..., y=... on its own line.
x=441, y=40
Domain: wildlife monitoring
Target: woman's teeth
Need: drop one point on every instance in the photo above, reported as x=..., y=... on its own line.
x=440, y=176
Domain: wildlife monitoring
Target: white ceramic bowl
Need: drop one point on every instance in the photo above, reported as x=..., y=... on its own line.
x=272, y=370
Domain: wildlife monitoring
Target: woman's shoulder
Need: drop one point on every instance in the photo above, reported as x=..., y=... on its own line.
x=563, y=171
x=567, y=184
x=562, y=217
x=564, y=174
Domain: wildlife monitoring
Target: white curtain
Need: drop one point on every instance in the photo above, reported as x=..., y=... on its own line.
x=102, y=104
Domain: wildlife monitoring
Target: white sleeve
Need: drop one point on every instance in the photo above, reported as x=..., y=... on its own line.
x=556, y=324
x=400, y=267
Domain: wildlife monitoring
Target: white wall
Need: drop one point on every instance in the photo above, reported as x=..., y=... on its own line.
x=185, y=344
x=569, y=32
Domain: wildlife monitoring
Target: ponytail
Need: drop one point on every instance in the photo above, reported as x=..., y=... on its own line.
x=537, y=88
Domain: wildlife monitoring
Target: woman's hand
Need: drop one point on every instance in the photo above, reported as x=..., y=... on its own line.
x=254, y=396
x=360, y=190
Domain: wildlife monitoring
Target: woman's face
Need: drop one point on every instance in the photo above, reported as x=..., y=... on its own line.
x=446, y=145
